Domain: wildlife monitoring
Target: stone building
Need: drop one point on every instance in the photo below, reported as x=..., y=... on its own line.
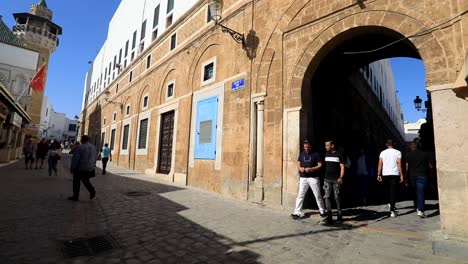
x=17, y=66
x=198, y=108
x=37, y=32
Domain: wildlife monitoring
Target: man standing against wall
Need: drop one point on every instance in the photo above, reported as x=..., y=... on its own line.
x=308, y=165
x=334, y=172
x=83, y=168
x=390, y=172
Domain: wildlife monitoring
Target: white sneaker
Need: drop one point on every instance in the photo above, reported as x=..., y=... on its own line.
x=393, y=214
x=421, y=214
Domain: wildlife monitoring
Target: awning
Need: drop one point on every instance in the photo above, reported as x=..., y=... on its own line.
x=9, y=101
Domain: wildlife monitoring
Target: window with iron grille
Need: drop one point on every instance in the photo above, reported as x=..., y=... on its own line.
x=126, y=130
x=112, y=140
x=143, y=133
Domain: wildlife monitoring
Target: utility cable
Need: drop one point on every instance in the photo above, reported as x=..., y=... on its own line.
x=418, y=34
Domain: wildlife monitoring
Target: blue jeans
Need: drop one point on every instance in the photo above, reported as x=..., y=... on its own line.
x=419, y=186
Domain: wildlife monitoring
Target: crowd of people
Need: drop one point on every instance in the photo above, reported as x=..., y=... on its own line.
x=391, y=170
x=36, y=153
x=83, y=161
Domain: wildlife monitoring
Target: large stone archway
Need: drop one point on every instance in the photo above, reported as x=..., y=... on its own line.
x=298, y=44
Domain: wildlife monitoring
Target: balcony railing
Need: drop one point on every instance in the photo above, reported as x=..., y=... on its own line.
x=36, y=30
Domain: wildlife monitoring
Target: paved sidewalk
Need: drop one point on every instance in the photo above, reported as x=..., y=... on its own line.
x=178, y=225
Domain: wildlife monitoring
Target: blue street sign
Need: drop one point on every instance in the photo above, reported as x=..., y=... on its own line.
x=238, y=84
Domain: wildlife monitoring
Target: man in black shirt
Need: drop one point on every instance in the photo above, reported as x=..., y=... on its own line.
x=334, y=172
x=308, y=164
x=417, y=167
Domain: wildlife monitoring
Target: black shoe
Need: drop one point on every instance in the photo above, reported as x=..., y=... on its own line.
x=339, y=220
x=92, y=195
x=327, y=220
x=323, y=215
x=295, y=216
x=72, y=198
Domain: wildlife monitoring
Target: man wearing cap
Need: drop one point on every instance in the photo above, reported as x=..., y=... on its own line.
x=308, y=164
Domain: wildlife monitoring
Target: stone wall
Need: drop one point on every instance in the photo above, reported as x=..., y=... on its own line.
x=293, y=36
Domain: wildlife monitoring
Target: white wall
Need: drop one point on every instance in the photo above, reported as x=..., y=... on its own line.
x=127, y=19
x=17, y=67
x=58, y=121
x=379, y=76
x=412, y=129
x=46, y=114
x=18, y=57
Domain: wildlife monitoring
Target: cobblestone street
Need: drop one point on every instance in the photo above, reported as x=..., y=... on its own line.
x=178, y=225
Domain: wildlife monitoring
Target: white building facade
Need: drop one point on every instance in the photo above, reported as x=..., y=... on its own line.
x=56, y=126
x=135, y=25
x=412, y=129
x=17, y=67
x=379, y=76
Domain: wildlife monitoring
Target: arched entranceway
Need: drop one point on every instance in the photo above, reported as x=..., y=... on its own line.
x=304, y=60
x=350, y=97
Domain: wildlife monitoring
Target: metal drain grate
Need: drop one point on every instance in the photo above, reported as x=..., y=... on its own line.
x=88, y=246
x=137, y=193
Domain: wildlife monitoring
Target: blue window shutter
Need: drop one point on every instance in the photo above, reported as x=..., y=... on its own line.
x=205, y=134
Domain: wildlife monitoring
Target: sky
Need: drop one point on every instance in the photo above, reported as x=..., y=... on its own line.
x=85, y=24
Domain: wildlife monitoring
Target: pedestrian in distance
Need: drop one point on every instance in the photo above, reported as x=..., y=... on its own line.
x=41, y=153
x=105, y=156
x=363, y=172
x=308, y=164
x=83, y=168
x=334, y=173
x=418, y=167
x=54, y=157
x=29, y=151
x=77, y=143
x=390, y=173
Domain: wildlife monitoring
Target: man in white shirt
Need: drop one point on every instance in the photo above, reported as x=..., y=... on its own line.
x=390, y=172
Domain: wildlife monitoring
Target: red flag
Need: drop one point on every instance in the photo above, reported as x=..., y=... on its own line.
x=38, y=81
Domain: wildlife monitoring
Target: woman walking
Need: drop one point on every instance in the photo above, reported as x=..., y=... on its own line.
x=54, y=157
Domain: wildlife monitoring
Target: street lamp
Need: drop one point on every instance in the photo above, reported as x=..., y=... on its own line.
x=106, y=97
x=417, y=104
x=215, y=9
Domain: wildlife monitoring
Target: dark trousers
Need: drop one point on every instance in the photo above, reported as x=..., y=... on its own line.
x=418, y=184
x=79, y=177
x=391, y=181
x=104, y=164
x=52, y=166
x=329, y=187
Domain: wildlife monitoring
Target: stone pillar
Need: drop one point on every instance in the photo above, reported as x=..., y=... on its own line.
x=294, y=121
x=260, y=138
x=451, y=141
x=258, y=187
